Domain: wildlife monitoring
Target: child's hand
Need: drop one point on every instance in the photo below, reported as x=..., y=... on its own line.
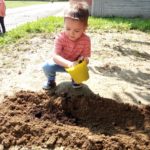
x=86, y=59
x=71, y=64
x=81, y=58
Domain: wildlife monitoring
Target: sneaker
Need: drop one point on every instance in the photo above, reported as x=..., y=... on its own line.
x=76, y=85
x=49, y=85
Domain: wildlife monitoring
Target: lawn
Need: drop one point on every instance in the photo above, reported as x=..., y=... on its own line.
x=51, y=24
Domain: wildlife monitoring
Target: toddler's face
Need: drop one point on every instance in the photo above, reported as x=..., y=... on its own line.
x=74, y=28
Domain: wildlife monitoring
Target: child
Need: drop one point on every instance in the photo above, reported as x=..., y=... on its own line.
x=70, y=45
x=88, y=1
x=2, y=14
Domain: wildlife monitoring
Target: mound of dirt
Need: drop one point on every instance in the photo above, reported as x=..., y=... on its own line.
x=83, y=122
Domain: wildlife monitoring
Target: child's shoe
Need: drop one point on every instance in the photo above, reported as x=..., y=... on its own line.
x=76, y=85
x=49, y=85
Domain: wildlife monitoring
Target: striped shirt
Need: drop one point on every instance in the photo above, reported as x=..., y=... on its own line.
x=72, y=50
x=2, y=8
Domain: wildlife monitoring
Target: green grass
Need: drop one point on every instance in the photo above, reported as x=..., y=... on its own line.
x=14, y=4
x=52, y=24
x=45, y=25
x=120, y=24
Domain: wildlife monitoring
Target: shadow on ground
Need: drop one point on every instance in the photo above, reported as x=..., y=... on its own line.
x=139, y=78
x=132, y=52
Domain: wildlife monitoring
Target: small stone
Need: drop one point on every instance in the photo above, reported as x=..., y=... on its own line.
x=19, y=72
x=51, y=141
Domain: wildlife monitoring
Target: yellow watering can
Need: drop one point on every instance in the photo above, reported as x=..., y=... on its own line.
x=79, y=72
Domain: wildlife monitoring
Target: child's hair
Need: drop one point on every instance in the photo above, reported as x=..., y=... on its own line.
x=78, y=11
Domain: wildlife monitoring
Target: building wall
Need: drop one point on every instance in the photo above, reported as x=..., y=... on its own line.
x=123, y=8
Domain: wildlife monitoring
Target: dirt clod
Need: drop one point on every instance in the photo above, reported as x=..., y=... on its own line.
x=92, y=123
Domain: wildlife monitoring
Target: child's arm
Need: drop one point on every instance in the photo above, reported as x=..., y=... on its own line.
x=57, y=58
x=86, y=53
x=62, y=61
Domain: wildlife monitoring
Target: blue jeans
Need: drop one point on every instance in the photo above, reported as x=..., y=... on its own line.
x=50, y=68
x=2, y=24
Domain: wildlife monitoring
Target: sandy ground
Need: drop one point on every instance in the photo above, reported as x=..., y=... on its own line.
x=119, y=66
x=110, y=112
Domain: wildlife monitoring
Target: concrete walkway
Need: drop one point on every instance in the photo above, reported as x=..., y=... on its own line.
x=17, y=16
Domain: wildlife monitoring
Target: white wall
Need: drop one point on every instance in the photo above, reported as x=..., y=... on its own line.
x=124, y=8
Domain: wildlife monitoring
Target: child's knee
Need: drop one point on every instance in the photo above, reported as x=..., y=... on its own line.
x=45, y=67
x=48, y=67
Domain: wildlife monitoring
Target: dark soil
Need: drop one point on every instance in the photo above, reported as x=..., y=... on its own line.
x=74, y=122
